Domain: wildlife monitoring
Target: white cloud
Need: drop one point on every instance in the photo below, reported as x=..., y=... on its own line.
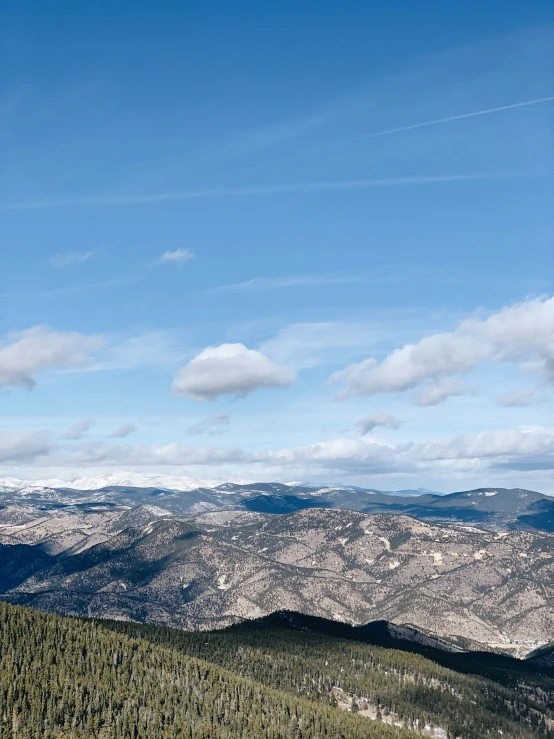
x=366, y=425
x=65, y=260
x=179, y=256
x=520, y=398
x=212, y=426
x=40, y=348
x=506, y=449
x=122, y=431
x=433, y=393
x=78, y=430
x=473, y=455
x=23, y=448
x=102, y=454
x=229, y=369
x=522, y=333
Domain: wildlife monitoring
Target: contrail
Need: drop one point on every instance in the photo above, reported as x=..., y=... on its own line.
x=451, y=118
x=301, y=187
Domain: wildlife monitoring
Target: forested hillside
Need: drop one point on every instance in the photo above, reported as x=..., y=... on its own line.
x=399, y=686
x=63, y=678
x=67, y=678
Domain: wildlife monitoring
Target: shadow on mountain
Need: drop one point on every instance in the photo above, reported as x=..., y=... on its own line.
x=500, y=668
x=458, y=514
x=293, y=503
x=19, y=562
x=540, y=516
x=282, y=504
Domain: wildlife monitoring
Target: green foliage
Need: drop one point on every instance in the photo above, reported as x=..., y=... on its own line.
x=406, y=686
x=64, y=678
x=69, y=678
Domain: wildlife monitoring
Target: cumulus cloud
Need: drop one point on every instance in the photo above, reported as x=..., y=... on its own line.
x=520, y=398
x=78, y=430
x=471, y=454
x=522, y=333
x=179, y=256
x=229, y=369
x=103, y=454
x=122, y=431
x=23, y=448
x=507, y=449
x=40, y=348
x=212, y=426
x=366, y=425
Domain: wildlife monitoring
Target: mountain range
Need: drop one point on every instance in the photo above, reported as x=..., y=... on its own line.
x=456, y=584
x=491, y=508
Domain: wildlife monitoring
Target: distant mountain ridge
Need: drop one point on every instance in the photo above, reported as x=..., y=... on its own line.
x=111, y=480
x=173, y=483
x=489, y=508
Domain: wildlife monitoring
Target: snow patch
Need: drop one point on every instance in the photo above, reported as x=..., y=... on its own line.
x=222, y=584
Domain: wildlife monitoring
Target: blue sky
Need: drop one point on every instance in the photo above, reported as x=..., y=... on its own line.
x=222, y=222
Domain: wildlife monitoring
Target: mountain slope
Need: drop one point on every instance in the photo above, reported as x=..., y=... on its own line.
x=308, y=656
x=466, y=586
x=65, y=679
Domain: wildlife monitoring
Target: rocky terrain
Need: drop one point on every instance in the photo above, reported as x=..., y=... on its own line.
x=470, y=587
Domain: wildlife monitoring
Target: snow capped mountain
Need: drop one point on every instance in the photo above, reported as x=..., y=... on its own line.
x=121, y=479
x=13, y=484
x=135, y=480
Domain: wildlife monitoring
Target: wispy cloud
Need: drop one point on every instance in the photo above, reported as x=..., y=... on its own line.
x=212, y=426
x=78, y=430
x=76, y=288
x=152, y=349
x=305, y=345
x=123, y=431
x=263, y=284
x=65, y=260
x=521, y=398
x=179, y=256
x=452, y=118
x=88, y=201
x=261, y=138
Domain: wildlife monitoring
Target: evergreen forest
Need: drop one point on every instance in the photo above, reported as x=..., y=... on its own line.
x=70, y=678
